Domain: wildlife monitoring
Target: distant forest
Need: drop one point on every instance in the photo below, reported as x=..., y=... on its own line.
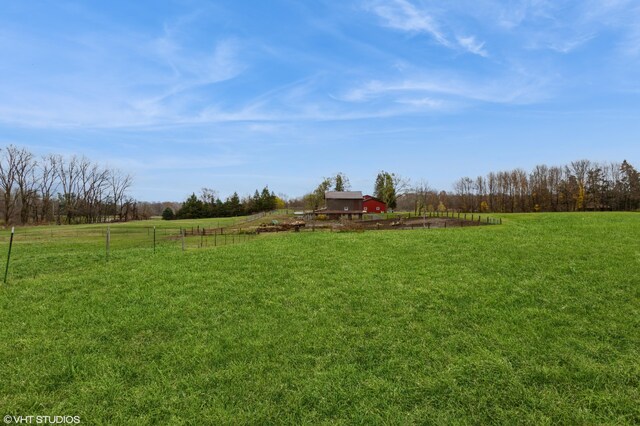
x=582, y=185
x=579, y=186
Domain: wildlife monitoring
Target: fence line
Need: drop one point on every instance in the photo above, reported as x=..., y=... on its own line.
x=110, y=237
x=436, y=214
x=105, y=242
x=107, y=247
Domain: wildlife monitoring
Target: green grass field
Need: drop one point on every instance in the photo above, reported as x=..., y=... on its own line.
x=536, y=321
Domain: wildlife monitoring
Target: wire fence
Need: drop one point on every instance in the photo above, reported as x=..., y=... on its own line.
x=34, y=253
x=470, y=217
x=106, y=240
x=134, y=237
x=101, y=242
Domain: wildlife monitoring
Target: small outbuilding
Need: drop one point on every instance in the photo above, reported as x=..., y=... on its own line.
x=342, y=204
x=373, y=205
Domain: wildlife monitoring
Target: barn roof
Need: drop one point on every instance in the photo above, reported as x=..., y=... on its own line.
x=369, y=197
x=343, y=195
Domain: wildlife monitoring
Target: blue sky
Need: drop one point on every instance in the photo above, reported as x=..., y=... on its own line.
x=235, y=95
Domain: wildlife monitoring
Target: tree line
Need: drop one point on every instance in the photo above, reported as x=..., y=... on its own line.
x=579, y=186
x=209, y=205
x=59, y=189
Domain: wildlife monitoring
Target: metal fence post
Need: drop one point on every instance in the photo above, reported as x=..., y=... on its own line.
x=6, y=270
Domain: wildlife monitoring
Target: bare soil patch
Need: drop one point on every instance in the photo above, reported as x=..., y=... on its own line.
x=287, y=223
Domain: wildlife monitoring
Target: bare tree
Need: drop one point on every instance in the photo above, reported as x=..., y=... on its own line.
x=492, y=188
x=47, y=186
x=25, y=181
x=8, y=177
x=208, y=195
x=539, y=186
x=93, y=183
x=120, y=183
x=614, y=176
x=67, y=172
x=579, y=170
x=463, y=188
x=424, y=197
x=554, y=184
x=426, y=200
x=480, y=188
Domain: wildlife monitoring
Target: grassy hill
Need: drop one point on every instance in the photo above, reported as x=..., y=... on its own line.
x=536, y=321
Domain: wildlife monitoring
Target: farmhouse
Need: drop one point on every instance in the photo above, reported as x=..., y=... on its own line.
x=373, y=205
x=341, y=204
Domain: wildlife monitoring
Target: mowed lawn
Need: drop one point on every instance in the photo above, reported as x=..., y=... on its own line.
x=536, y=321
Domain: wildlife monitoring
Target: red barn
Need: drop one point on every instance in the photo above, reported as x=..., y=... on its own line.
x=373, y=205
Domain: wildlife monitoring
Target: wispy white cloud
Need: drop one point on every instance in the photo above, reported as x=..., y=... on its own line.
x=621, y=16
x=192, y=71
x=402, y=15
x=569, y=44
x=563, y=27
x=518, y=90
x=405, y=16
x=186, y=161
x=113, y=77
x=161, y=79
x=472, y=45
x=126, y=92
x=422, y=102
